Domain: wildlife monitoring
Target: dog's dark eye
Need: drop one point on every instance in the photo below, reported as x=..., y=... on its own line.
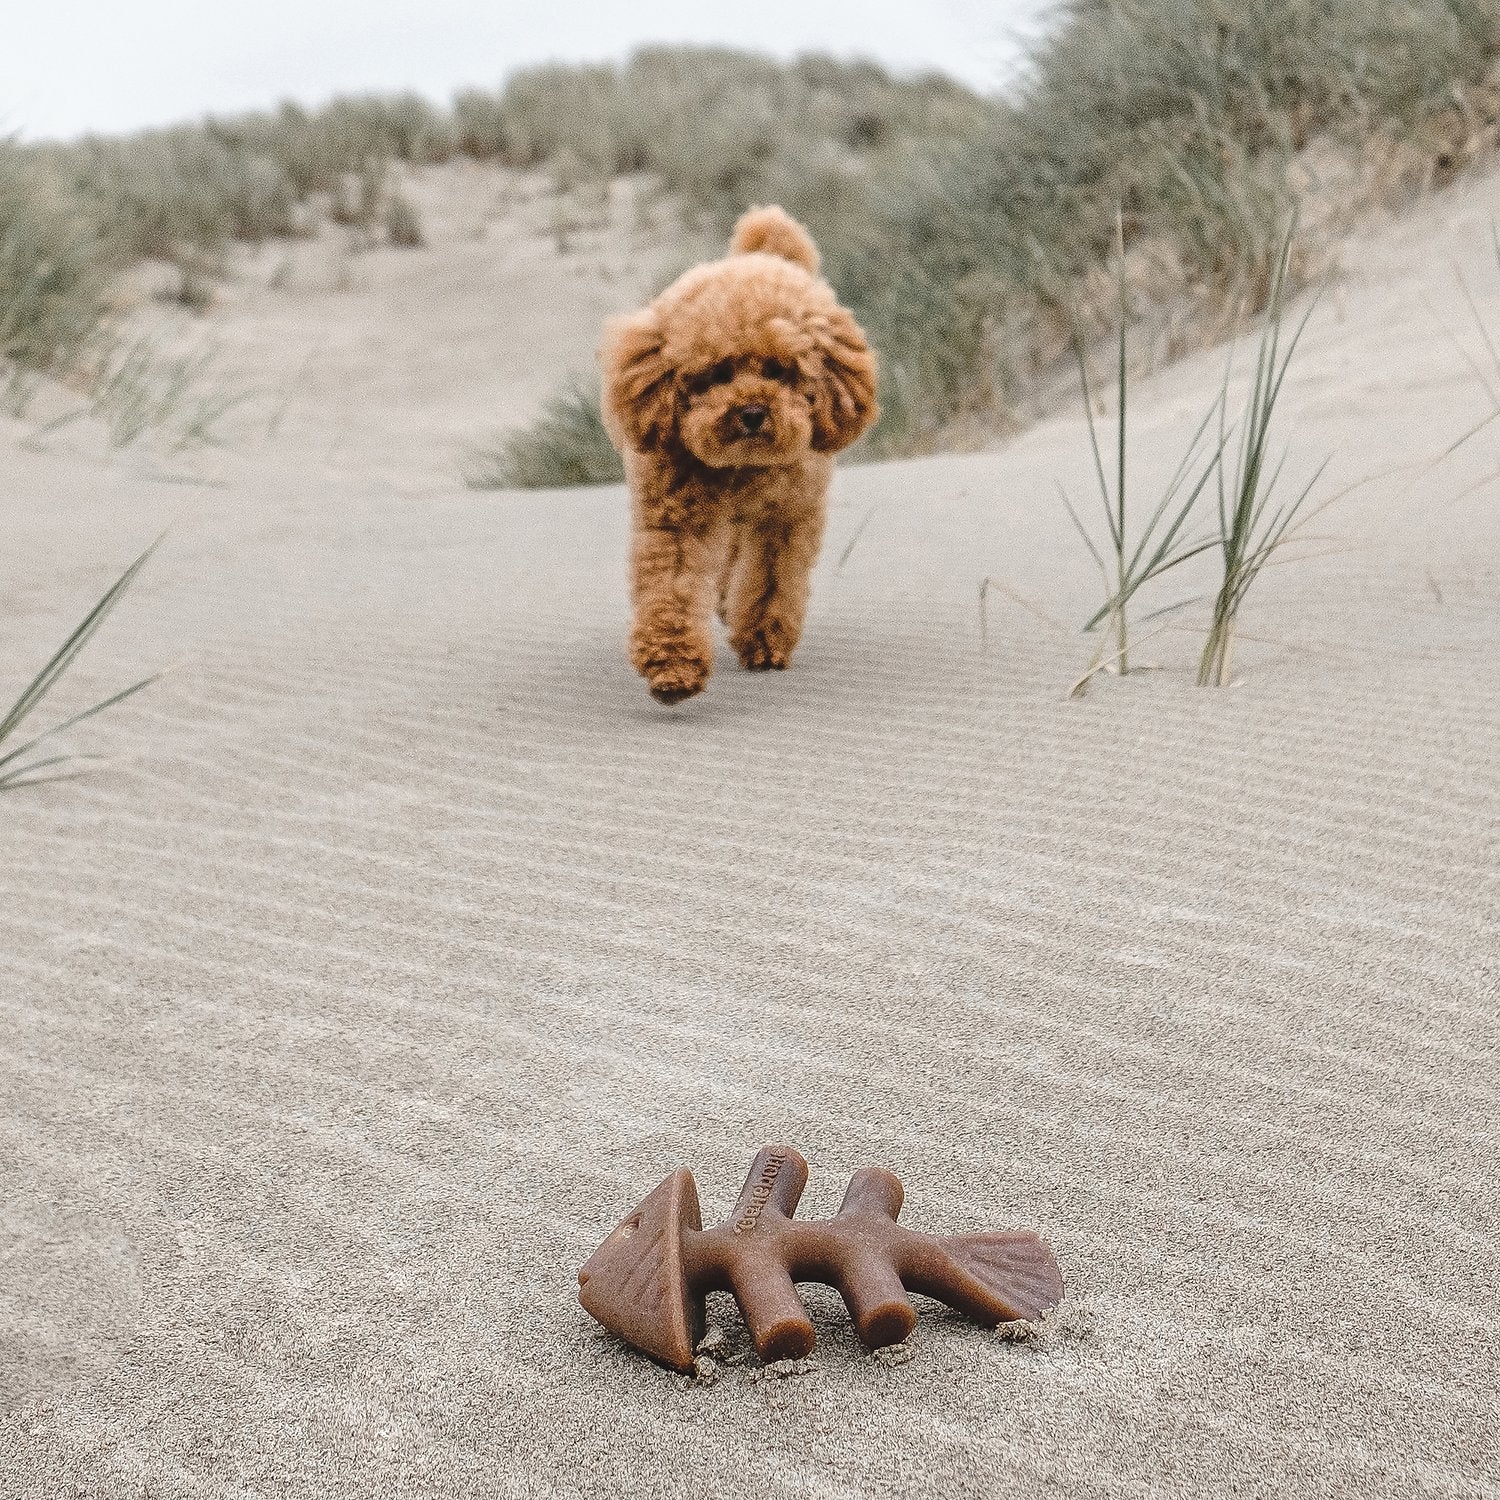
x=721, y=374
x=773, y=369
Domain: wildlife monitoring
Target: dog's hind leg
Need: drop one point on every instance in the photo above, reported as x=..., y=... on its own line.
x=768, y=593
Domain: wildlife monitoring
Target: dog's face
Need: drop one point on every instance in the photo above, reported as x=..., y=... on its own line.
x=747, y=408
x=746, y=362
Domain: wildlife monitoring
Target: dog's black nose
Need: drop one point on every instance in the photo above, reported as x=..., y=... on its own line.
x=753, y=418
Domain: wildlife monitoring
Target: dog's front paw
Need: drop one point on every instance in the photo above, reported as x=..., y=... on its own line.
x=674, y=661
x=672, y=681
x=764, y=649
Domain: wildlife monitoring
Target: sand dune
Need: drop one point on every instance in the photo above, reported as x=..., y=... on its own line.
x=353, y=359
x=406, y=943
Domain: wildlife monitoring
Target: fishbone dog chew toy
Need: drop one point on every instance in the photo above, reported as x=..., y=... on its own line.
x=646, y=1283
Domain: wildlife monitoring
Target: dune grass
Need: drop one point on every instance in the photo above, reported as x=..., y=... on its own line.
x=57, y=318
x=21, y=764
x=567, y=445
x=54, y=270
x=193, y=190
x=71, y=216
x=403, y=224
x=968, y=233
x=139, y=387
x=1252, y=525
x=1127, y=564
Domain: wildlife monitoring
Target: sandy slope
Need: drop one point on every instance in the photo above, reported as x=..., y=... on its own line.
x=406, y=943
x=359, y=359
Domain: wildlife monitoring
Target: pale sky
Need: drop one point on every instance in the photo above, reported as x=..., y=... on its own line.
x=71, y=66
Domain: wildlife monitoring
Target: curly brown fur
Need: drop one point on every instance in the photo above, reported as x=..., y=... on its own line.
x=728, y=397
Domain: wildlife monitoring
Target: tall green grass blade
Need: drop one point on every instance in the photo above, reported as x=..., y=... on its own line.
x=79, y=718
x=1161, y=544
x=63, y=658
x=1088, y=541
x=33, y=694
x=1088, y=408
x=27, y=775
x=1253, y=525
x=1123, y=388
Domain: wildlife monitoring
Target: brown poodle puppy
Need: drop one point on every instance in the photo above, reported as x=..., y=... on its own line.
x=728, y=396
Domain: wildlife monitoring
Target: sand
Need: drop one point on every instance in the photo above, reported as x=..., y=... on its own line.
x=403, y=944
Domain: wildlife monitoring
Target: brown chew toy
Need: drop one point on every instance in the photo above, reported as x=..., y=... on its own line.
x=647, y=1281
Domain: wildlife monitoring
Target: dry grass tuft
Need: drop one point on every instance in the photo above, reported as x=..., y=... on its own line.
x=54, y=270
x=403, y=225
x=566, y=446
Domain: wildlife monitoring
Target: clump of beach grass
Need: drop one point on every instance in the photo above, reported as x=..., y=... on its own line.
x=31, y=761
x=1250, y=525
x=1253, y=526
x=54, y=270
x=568, y=445
x=1128, y=563
x=134, y=386
x=139, y=388
x=403, y=224
x=193, y=288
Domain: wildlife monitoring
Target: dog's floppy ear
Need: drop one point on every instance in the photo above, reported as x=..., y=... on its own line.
x=639, y=395
x=844, y=404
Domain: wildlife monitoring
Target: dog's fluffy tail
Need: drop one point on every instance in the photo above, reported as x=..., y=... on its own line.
x=774, y=231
